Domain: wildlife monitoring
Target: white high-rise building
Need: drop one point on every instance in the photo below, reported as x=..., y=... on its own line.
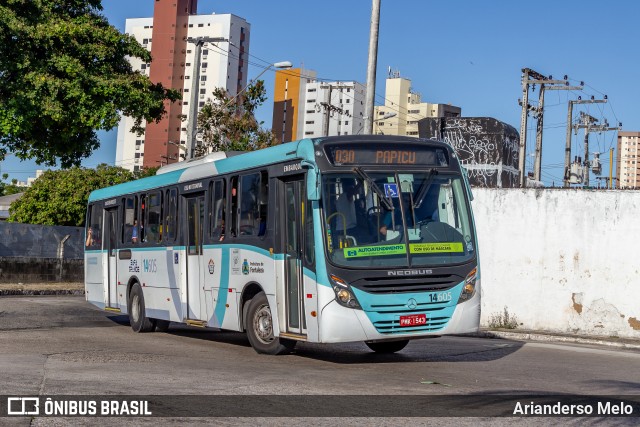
x=339, y=103
x=222, y=64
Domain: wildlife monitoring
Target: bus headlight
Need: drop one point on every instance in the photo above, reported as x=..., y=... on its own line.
x=469, y=288
x=344, y=296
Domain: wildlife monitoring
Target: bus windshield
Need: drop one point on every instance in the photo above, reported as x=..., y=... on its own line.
x=396, y=219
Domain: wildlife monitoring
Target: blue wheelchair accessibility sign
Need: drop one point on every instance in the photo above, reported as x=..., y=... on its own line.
x=391, y=190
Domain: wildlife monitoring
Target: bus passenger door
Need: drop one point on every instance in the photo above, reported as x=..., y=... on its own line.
x=196, y=308
x=294, y=198
x=109, y=242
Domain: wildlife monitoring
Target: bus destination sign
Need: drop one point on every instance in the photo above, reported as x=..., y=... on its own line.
x=386, y=154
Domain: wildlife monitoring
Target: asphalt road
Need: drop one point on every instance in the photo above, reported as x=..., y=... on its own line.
x=63, y=346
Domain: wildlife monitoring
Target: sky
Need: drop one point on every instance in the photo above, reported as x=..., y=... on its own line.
x=464, y=52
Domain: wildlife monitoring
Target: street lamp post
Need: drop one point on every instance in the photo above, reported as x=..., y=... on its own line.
x=385, y=117
x=192, y=128
x=284, y=65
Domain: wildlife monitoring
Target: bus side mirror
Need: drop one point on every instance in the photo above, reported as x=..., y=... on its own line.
x=313, y=180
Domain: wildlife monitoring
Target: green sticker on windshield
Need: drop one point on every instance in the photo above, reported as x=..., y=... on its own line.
x=360, y=251
x=432, y=248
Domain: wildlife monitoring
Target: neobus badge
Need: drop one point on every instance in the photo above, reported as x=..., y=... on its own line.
x=292, y=168
x=110, y=202
x=408, y=272
x=195, y=186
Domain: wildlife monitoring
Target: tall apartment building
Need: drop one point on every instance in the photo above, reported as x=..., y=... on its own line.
x=628, y=160
x=287, y=99
x=222, y=64
x=403, y=108
x=307, y=108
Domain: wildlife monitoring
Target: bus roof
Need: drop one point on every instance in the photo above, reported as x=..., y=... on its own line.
x=291, y=150
x=222, y=163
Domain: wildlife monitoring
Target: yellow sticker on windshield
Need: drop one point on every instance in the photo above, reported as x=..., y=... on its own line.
x=360, y=251
x=432, y=248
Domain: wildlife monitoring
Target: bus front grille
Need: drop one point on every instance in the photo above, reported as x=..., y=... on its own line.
x=431, y=283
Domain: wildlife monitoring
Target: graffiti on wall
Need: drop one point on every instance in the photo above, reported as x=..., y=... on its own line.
x=487, y=147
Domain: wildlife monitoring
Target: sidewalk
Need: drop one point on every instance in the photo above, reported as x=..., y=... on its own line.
x=544, y=336
x=77, y=288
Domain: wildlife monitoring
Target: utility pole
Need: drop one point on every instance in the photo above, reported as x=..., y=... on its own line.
x=371, y=67
x=192, y=127
x=611, y=168
x=537, y=163
x=328, y=109
x=531, y=77
x=567, y=148
x=523, y=122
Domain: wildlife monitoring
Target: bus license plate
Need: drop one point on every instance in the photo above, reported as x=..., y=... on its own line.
x=413, y=320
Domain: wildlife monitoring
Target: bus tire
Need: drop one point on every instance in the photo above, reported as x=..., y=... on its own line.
x=260, y=328
x=387, y=347
x=137, y=314
x=162, y=325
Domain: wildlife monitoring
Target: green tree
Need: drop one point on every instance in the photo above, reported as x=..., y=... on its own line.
x=8, y=189
x=60, y=197
x=145, y=172
x=64, y=74
x=228, y=124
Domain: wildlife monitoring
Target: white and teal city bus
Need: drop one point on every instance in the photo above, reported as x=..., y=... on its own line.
x=338, y=239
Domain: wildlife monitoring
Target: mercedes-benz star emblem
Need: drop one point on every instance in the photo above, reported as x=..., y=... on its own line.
x=412, y=303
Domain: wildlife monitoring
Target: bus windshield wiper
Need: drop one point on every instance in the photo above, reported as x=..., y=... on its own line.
x=422, y=191
x=384, y=199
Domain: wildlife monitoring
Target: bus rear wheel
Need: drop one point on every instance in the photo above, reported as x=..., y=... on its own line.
x=137, y=314
x=260, y=328
x=387, y=347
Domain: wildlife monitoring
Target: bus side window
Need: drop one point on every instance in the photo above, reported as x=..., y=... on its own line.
x=234, y=206
x=154, y=217
x=263, y=203
x=218, y=210
x=129, y=231
x=140, y=224
x=249, y=204
x=94, y=227
x=253, y=204
x=171, y=205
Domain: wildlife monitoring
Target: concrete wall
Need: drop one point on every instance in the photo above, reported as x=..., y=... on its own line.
x=561, y=260
x=36, y=270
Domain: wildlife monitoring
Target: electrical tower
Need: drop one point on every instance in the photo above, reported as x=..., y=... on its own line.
x=567, y=149
x=588, y=123
x=531, y=77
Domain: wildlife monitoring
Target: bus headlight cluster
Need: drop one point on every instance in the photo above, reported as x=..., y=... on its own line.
x=469, y=288
x=344, y=295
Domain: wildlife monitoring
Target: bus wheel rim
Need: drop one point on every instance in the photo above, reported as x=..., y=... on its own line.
x=262, y=325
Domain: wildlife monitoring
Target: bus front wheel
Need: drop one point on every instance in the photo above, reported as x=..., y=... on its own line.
x=388, y=346
x=137, y=315
x=260, y=328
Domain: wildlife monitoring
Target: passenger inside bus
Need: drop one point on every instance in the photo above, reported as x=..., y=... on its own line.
x=346, y=207
x=134, y=231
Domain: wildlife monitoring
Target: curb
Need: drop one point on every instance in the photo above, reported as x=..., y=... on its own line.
x=33, y=292
x=534, y=336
